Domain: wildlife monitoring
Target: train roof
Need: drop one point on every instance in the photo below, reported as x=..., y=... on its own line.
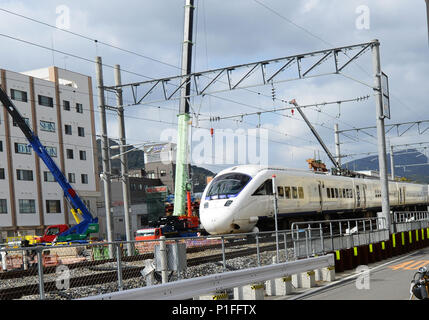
x=253, y=170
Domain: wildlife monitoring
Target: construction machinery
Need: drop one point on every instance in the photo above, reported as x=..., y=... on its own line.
x=86, y=223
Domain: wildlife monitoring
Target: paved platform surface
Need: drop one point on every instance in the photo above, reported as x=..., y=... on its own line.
x=385, y=280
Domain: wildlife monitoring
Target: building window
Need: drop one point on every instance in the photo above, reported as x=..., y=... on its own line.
x=81, y=131
x=66, y=105
x=27, y=122
x=69, y=153
x=72, y=177
x=27, y=206
x=47, y=126
x=79, y=108
x=87, y=204
x=53, y=206
x=22, y=148
x=84, y=178
x=163, y=173
x=3, y=206
x=2, y=175
x=18, y=95
x=24, y=175
x=82, y=155
x=151, y=174
x=52, y=151
x=46, y=101
x=68, y=129
x=48, y=176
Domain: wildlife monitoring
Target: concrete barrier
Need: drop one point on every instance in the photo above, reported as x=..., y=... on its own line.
x=254, y=291
x=279, y=286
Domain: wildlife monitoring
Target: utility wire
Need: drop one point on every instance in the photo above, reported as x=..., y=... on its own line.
x=89, y=38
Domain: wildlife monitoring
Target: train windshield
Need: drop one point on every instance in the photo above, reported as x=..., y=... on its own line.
x=227, y=186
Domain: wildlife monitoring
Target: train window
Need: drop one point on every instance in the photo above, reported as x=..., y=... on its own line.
x=340, y=192
x=287, y=192
x=301, y=192
x=294, y=193
x=226, y=185
x=336, y=192
x=281, y=192
x=265, y=189
x=344, y=193
x=328, y=192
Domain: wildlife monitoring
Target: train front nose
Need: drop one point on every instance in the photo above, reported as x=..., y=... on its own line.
x=215, y=217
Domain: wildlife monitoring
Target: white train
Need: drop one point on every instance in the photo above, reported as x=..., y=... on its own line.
x=240, y=199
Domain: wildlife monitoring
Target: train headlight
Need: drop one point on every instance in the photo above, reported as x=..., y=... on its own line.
x=228, y=203
x=206, y=205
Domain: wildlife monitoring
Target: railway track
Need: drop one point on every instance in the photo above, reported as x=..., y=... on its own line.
x=109, y=275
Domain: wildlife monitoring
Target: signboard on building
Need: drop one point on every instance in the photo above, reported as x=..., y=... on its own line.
x=156, y=189
x=164, y=152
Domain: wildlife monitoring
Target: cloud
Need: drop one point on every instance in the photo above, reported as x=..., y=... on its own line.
x=237, y=32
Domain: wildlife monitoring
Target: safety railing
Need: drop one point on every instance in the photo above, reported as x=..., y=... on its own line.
x=318, y=237
x=77, y=271
x=403, y=221
x=189, y=288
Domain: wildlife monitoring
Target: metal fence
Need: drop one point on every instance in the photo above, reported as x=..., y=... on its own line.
x=407, y=221
x=78, y=271
x=320, y=237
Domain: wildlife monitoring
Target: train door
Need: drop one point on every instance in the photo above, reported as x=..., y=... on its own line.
x=403, y=195
x=400, y=195
x=364, y=196
x=320, y=188
x=357, y=196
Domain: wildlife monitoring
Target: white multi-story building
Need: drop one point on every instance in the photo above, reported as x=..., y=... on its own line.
x=58, y=105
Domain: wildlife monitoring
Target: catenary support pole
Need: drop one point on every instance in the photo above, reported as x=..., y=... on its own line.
x=124, y=162
x=275, y=217
x=427, y=14
x=381, y=137
x=181, y=178
x=104, y=152
x=337, y=145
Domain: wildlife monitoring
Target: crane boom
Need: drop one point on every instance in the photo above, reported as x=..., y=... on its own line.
x=89, y=223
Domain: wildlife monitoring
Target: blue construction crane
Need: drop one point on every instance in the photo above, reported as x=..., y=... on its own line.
x=86, y=223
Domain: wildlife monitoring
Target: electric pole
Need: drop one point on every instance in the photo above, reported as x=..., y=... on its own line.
x=337, y=145
x=381, y=136
x=105, y=176
x=427, y=14
x=124, y=164
x=181, y=180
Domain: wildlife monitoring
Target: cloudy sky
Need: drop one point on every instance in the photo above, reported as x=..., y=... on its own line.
x=229, y=33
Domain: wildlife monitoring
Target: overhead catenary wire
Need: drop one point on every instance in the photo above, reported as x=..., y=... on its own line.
x=96, y=41
x=145, y=76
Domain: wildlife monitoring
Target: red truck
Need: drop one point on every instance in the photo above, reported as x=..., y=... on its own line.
x=52, y=232
x=170, y=227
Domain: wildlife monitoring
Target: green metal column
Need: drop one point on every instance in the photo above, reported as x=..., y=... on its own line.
x=181, y=166
x=183, y=119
